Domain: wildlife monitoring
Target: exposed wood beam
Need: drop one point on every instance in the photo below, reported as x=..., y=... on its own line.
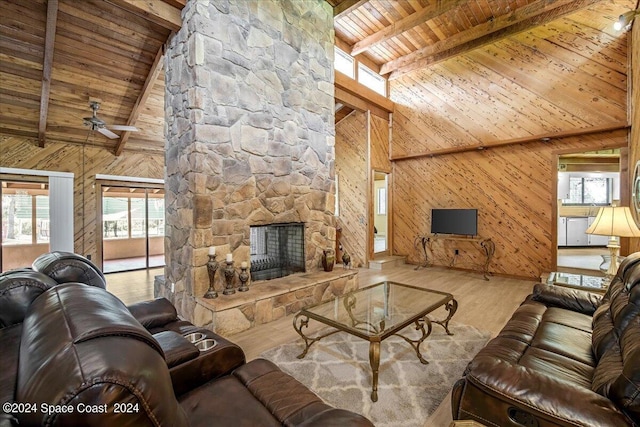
x=155, y=11
x=353, y=87
x=47, y=68
x=405, y=24
x=347, y=6
x=522, y=19
x=527, y=139
x=358, y=103
x=156, y=67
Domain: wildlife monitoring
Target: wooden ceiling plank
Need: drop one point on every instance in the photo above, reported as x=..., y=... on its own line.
x=347, y=7
x=155, y=11
x=526, y=18
x=47, y=68
x=405, y=24
x=156, y=68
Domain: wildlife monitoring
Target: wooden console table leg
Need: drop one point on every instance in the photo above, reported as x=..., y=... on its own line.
x=489, y=249
x=423, y=241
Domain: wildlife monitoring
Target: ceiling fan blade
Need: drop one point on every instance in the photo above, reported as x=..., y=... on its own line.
x=106, y=132
x=125, y=128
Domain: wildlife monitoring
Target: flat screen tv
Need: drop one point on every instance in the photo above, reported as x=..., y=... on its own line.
x=454, y=221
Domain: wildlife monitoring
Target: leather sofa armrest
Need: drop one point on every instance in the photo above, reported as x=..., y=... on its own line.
x=542, y=395
x=577, y=300
x=154, y=313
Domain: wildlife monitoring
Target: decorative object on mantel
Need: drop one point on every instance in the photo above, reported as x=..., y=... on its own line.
x=212, y=267
x=614, y=221
x=346, y=260
x=229, y=274
x=328, y=259
x=244, y=277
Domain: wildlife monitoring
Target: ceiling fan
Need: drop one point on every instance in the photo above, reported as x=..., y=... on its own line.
x=98, y=124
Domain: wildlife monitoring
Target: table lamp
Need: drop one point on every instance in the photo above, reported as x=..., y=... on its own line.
x=614, y=221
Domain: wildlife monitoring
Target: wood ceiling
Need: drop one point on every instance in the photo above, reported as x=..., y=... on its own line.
x=57, y=55
x=402, y=36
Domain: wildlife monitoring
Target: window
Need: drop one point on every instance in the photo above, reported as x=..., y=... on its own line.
x=372, y=80
x=344, y=63
x=590, y=191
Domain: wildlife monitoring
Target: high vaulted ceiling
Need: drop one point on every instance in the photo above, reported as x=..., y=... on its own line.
x=57, y=55
x=402, y=36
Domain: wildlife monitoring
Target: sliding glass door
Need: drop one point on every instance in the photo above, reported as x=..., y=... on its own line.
x=132, y=228
x=24, y=226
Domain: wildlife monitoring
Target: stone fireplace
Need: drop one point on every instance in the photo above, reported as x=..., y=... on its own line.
x=249, y=136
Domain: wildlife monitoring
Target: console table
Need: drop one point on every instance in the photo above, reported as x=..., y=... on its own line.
x=484, y=244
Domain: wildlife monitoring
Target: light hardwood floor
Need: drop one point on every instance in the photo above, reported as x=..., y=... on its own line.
x=486, y=305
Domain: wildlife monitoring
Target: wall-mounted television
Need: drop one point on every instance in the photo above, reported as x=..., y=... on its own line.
x=454, y=221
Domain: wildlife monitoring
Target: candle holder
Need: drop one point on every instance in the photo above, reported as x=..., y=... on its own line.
x=212, y=266
x=229, y=274
x=244, y=278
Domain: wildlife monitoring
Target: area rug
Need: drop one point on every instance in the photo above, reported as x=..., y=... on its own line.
x=337, y=369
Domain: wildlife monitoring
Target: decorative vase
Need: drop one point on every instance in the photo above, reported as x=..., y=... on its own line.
x=328, y=259
x=346, y=260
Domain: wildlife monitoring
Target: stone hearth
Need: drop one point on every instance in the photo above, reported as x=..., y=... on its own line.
x=268, y=300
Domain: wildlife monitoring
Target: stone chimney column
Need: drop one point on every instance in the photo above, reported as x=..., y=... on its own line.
x=249, y=113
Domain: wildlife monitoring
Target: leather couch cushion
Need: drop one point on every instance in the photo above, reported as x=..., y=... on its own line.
x=66, y=267
x=155, y=313
x=225, y=402
x=18, y=288
x=264, y=396
x=81, y=346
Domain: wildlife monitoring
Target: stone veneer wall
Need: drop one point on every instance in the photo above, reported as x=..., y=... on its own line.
x=250, y=133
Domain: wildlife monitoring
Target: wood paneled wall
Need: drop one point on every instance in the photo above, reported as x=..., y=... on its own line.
x=351, y=170
x=84, y=163
x=562, y=76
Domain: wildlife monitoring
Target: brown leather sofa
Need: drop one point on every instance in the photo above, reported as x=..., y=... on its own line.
x=567, y=357
x=74, y=354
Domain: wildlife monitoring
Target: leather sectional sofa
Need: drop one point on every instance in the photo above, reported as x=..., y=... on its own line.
x=73, y=354
x=567, y=357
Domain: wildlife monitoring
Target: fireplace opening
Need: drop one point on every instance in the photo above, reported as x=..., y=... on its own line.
x=277, y=250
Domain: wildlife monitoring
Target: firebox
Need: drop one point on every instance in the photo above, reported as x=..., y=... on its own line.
x=277, y=250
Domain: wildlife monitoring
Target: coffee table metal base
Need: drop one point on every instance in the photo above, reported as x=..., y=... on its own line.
x=301, y=320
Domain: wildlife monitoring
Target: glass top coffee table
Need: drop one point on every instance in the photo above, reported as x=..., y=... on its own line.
x=375, y=313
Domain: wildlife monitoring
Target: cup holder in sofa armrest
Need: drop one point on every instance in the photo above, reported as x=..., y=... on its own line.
x=216, y=357
x=195, y=337
x=206, y=345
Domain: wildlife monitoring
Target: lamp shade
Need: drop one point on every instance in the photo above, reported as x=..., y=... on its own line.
x=614, y=221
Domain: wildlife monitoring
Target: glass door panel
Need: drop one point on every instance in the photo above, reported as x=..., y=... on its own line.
x=133, y=224
x=24, y=229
